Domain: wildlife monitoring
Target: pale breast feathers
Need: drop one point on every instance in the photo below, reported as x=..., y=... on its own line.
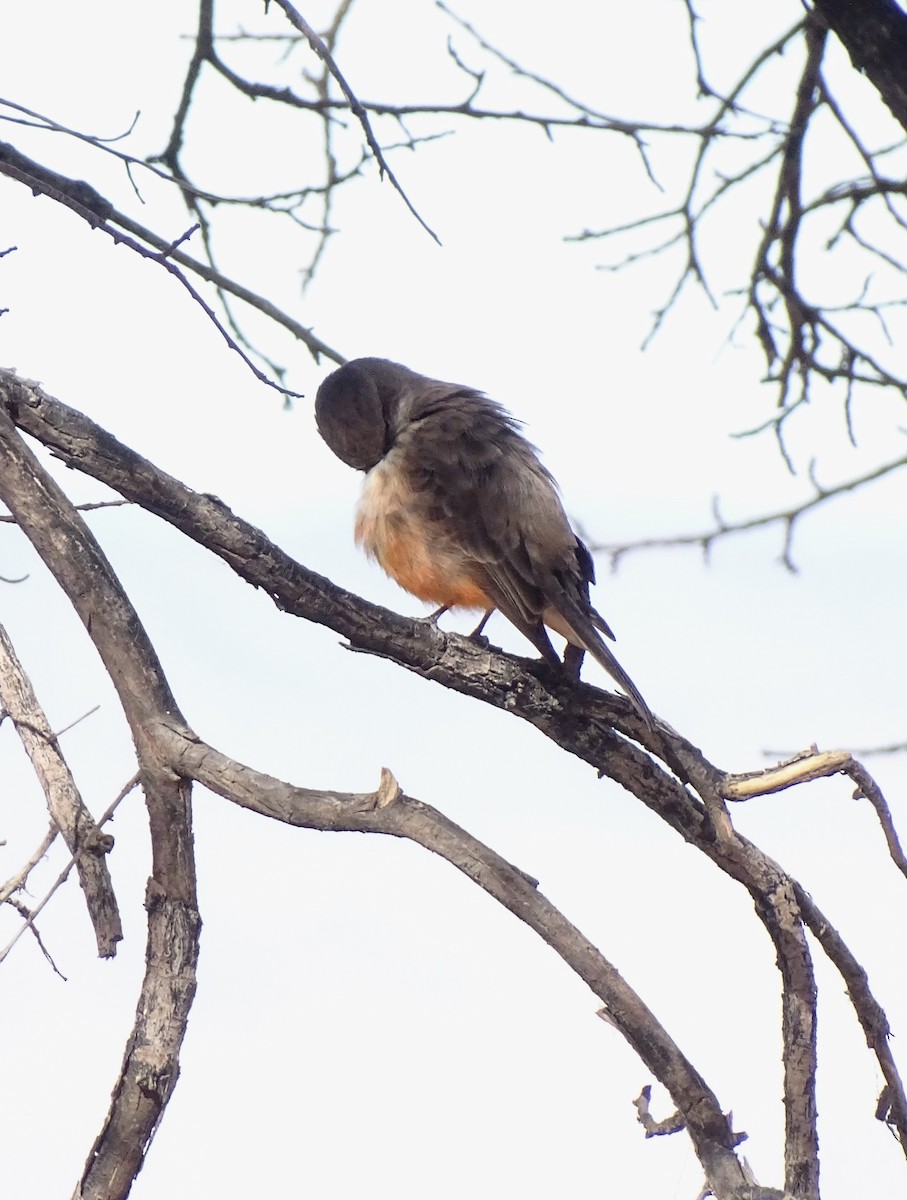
x=393, y=526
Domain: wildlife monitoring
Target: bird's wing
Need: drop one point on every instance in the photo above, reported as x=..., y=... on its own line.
x=479, y=483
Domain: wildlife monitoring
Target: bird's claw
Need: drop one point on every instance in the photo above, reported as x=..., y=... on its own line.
x=433, y=617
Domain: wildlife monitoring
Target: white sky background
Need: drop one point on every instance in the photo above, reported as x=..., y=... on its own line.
x=366, y=1019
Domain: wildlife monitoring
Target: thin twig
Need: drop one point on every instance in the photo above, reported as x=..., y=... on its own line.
x=356, y=107
x=64, y=874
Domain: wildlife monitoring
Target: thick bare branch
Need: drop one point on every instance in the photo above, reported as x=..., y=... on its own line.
x=874, y=33
x=389, y=811
x=151, y=1062
x=869, y=1012
x=86, y=843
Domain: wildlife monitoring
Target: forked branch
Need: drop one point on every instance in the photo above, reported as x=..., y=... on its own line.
x=600, y=728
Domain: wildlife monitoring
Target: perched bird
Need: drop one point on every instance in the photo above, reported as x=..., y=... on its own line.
x=458, y=509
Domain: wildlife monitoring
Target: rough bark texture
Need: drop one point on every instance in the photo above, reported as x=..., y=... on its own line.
x=151, y=1063
x=87, y=845
x=874, y=33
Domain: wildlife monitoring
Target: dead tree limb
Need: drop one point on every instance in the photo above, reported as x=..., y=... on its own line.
x=87, y=844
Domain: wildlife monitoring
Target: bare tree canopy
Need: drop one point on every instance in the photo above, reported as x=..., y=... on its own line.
x=289, y=181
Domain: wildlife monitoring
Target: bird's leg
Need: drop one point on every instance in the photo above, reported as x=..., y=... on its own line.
x=477, y=632
x=434, y=617
x=573, y=660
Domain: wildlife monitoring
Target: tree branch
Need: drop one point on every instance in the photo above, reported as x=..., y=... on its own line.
x=874, y=34
x=22, y=874
x=171, y=756
x=86, y=843
x=151, y=1062
x=101, y=214
x=788, y=517
x=594, y=725
x=578, y=718
x=356, y=107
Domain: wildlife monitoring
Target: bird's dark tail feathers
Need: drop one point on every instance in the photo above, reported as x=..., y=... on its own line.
x=602, y=655
x=586, y=635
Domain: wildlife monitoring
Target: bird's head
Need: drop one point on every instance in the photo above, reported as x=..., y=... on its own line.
x=358, y=409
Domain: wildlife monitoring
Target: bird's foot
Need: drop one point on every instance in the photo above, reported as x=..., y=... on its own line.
x=476, y=635
x=434, y=617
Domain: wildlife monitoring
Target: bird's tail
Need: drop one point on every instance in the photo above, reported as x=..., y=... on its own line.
x=606, y=659
x=582, y=632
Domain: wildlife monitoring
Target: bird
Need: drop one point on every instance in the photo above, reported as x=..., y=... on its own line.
x=459, y=510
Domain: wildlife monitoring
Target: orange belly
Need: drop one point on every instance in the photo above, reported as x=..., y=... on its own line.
x=430, y=575
x=419, y=558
